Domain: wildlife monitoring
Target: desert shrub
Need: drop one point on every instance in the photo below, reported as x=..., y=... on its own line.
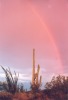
x=59, y=83
x=57, y=87
x=35, y=88
x=11, y=82
x=6, y=96
x=21, y=88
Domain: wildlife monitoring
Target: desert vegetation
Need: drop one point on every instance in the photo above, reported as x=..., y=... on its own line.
x=56, y=89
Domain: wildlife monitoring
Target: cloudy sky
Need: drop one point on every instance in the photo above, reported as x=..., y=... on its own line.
x=39, y=24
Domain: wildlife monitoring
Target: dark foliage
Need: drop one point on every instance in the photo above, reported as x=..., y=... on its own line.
x=35, y=88
x=57, y=88
x=11, y=82
x=5, y=96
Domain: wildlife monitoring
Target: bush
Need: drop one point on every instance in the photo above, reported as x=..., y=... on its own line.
x=35, y=88
x=5, y=96
x=11, y=82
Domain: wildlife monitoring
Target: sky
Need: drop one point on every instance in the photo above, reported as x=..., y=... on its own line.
x=39, y=24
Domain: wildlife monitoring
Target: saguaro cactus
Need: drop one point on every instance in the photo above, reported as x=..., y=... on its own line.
x=35, y=76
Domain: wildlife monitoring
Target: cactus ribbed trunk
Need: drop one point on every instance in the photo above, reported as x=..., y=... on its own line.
x=35, y=76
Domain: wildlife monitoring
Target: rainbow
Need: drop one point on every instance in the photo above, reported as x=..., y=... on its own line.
x=49, y=34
